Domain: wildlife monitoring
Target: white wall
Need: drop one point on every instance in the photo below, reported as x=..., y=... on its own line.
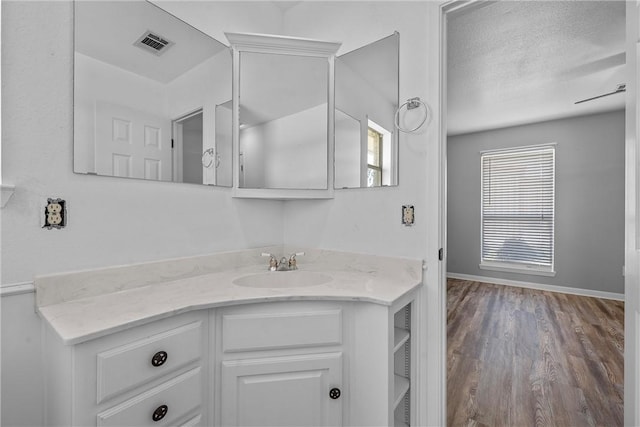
x=224, y=145
x=347, y=151
x=252, y=152
x=368, y=220
x=589, y=206
x=361, y=100
x=110, y=221
x=289, y=152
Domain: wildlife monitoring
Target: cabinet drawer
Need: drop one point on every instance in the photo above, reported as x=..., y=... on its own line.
x=125, y=367
x=269, y=331
x=169, y=402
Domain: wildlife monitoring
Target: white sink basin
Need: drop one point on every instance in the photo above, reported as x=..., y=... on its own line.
x=283, y=279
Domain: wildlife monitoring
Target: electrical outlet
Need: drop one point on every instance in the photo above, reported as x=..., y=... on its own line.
x=55, y=214
x=408, y=215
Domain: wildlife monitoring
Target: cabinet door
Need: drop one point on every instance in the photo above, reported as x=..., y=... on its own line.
x=282, y=391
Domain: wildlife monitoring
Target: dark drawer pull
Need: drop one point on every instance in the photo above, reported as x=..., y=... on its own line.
x=160, y=412
x=334, y=393
x=159, y=358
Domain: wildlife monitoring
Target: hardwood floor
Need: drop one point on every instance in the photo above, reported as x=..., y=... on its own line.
x=520, y=357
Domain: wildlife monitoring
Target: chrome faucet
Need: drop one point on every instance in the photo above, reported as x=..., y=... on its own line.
x=283, y=264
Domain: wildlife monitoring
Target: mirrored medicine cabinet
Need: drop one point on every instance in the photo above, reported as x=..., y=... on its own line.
x=271, y=116
x=152, y=96
x=283, y=121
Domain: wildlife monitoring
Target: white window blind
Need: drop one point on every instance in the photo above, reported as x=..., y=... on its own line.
x=518, y=191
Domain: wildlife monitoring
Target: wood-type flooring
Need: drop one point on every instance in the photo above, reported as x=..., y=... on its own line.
x=520, y=357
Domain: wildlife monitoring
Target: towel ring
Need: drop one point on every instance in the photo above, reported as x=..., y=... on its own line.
x=207, y=163
x=411, y=104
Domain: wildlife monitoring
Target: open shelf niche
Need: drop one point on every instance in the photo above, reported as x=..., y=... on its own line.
x=402, y=366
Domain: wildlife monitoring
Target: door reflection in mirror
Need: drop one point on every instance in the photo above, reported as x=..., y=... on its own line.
x=129, y=97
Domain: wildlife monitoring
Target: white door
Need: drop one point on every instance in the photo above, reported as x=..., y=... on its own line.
x=131, y=143
x=283, y=391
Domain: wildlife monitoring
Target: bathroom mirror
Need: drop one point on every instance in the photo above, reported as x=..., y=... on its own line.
x=366, y=100
x=283, y=121
x=285, y=112
x=151, y=96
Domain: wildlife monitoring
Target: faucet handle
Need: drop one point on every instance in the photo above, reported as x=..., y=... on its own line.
x=273, y=261
x=293, y=263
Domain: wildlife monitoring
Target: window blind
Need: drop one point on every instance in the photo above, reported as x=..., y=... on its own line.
x=518, y=192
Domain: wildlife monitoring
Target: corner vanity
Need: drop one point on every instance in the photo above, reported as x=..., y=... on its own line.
x=219, y=340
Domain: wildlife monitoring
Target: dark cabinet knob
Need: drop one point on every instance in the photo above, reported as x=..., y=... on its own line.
x=159, y=358
x=160, y=412
x=334, y=393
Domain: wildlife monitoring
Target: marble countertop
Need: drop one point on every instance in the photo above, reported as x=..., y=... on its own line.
x=80, y=310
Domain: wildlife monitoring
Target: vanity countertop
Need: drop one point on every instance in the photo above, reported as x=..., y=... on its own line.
x=87, y=305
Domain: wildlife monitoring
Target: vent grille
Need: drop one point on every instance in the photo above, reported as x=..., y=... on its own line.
x=153, y=43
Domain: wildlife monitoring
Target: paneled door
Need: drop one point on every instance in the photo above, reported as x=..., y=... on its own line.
x=301, y=390
x=131, y=143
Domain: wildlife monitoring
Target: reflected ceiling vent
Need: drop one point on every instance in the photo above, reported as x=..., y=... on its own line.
x=153, y=43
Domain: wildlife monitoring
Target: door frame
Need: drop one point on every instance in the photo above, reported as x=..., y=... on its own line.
x=435, y=410
x=631, y=273
x=177, y=143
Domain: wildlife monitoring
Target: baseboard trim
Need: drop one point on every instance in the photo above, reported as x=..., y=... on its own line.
x=17, y=289
x=539, y=286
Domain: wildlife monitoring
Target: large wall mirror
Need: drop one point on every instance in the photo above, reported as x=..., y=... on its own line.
x=152, y=96
x=366, y=100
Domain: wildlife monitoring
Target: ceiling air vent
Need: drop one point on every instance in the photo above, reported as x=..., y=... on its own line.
x=153, y=43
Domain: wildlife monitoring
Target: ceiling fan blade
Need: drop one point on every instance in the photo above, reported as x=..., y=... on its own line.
x=619, y=89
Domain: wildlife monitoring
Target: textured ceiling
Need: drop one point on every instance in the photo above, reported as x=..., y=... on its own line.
x=515, y=62
x=106, y=31
x=285, y=5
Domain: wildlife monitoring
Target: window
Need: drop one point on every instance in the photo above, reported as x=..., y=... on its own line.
x=518, y=191
x=374, y=158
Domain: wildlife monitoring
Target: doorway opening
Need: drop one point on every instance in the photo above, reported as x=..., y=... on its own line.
x=188, y=152
x=506, y=41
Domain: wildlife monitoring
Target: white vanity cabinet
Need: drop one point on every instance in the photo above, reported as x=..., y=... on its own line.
x=281, y=364
x=302, y=363
x=151, y=375
x=309, y=356
x=319, y=363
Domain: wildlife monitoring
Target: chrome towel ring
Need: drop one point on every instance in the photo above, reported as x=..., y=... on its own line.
x=208, y=158
x=412, y=103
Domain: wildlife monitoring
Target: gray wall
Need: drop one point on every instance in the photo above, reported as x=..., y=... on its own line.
x=589, y=236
